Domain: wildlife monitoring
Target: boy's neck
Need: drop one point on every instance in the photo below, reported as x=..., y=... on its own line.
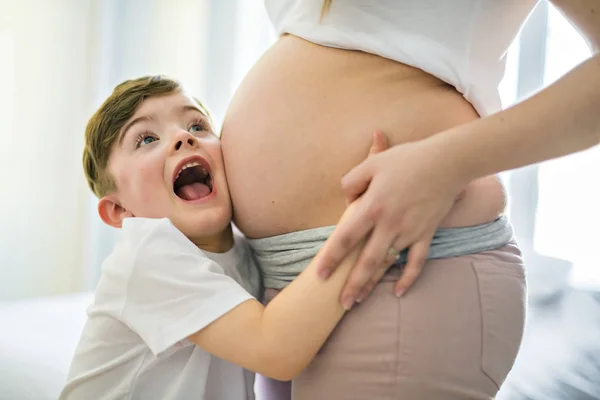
x=219, y=243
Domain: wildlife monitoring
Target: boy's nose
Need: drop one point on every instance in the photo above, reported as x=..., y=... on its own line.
x=184, y=140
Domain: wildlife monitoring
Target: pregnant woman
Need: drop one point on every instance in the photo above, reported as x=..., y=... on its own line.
x=426, y=73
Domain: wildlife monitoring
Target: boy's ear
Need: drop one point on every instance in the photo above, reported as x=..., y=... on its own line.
x=111, y=212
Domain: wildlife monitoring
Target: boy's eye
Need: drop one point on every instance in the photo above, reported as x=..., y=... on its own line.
x=148, y=139
x=196, y=128
x=144, y=139
x=199, y=125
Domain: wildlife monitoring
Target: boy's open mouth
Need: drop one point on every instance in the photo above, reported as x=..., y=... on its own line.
x=193, y=182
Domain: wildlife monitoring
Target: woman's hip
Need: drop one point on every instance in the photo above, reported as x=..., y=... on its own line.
x=454, y=335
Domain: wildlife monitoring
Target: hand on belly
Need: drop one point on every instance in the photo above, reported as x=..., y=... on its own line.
x=395, y=210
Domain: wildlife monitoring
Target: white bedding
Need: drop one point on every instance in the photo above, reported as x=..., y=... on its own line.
x=560, y=351
x=37, y=340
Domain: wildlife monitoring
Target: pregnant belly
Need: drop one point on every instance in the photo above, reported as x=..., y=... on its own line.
x=303, y=117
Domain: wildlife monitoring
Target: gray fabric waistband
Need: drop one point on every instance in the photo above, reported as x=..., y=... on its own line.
x=281, y=258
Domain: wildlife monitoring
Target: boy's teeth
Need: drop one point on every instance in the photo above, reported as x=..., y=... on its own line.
x=188, y=165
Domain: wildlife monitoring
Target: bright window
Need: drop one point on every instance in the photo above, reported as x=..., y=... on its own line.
x=568, y=214
x=7, y=73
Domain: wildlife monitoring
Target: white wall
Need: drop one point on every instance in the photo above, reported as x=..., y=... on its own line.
x=58, y=60
x=45, y=54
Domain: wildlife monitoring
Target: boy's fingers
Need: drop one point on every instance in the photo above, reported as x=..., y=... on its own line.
x=348, y=233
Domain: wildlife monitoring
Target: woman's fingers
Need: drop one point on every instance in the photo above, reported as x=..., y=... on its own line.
x=416, y=260
x=356, y=182
x=379, y=143
x=366, y=292
x=405, y=192
x=417, y=256
x=355, y=224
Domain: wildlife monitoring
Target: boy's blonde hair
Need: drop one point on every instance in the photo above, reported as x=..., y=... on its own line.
x=104, y=127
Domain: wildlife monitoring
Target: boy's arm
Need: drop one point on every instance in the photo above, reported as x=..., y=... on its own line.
x=281, y=339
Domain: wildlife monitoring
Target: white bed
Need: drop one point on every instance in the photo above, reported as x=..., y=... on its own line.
x=559, y=358
x=37, y=341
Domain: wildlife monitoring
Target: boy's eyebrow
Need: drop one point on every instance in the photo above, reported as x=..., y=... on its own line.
x=191, y=108
x=128, y=125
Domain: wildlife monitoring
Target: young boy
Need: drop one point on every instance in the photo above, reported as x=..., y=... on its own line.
x=175, y=314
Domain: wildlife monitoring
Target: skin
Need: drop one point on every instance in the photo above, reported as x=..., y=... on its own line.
x=143, y=163
x=403, y=211
x=301, y=126
x=278, y=340
x=298, y=128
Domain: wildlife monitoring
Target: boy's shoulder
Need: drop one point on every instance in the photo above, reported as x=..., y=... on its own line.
x=150, y=244
x=142, y=240
x=147, y=244
x=240, y=264
x=148, y=231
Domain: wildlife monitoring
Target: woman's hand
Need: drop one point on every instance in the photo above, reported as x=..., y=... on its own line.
x=405, y=192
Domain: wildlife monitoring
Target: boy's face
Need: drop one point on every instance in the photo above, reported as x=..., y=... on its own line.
x=167, y=162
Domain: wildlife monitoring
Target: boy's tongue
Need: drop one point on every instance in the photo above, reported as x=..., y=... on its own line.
x=193, y=191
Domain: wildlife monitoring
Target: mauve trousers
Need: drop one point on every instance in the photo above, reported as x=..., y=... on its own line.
x=454, y=335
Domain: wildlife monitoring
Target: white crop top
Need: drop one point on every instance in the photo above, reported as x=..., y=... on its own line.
x=462, y=42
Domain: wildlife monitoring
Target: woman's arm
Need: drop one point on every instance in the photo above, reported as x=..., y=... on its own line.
x=585, y=16
x=281, y=339
x=405, y=210
x=562, y=119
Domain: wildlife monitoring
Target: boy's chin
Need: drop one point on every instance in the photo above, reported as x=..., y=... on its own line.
x=205, y=224
x=216, y=239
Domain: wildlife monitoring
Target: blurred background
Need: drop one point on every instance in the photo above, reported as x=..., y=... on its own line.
x=59, y=59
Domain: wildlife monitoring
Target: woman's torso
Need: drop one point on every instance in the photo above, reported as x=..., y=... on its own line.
x=304, y=116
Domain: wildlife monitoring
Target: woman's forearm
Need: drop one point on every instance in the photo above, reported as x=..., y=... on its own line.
x=562, y=119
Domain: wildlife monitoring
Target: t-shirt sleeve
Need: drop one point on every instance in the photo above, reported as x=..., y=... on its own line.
x=173, y=290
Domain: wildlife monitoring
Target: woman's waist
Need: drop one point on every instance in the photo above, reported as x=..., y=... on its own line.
x=275, y=190
x=281, y=258
x=284, y=177
x=294, y=129
x=296, y=208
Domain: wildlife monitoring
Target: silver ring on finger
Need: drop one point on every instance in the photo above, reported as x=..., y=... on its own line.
x=394, y=253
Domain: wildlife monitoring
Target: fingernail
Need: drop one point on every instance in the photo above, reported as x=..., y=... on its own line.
x=324, y=273
x=362, y=296
x=400, y=292
x=347, y=303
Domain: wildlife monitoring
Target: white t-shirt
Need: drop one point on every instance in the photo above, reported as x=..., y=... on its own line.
x=156, y=289
x=462, y=42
